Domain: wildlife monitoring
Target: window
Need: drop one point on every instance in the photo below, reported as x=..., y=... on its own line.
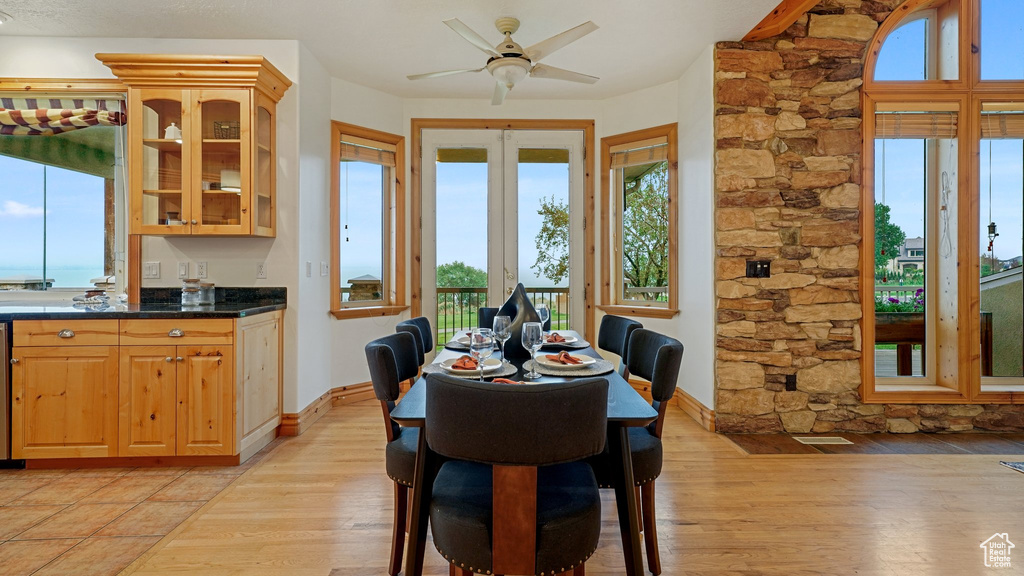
x=944, y=170
x=63, y=181
x=367, y=222
x=639, y=220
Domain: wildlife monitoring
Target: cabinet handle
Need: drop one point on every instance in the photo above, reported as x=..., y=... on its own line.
x=15, y=360
x=168, y=359
x=194, y=222
x=180, y=359
x=176, y=333
x=65, y=333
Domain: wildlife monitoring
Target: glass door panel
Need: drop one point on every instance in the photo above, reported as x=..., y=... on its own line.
x=264, y=173
x=163, y=157
x=223, y=163
x=1001, y=238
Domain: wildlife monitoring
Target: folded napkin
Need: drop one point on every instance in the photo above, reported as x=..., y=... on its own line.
x=465, y=363
x=564, y=358
x=555, y=338
x=506, y=381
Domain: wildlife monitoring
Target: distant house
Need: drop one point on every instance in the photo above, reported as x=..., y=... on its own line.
x=911, y=256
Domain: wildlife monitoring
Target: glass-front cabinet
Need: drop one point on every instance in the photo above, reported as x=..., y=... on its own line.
x=201, y=147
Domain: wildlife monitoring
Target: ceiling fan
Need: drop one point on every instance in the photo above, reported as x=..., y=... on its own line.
x=510, y=63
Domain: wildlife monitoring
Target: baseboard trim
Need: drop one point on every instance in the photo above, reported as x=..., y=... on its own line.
x=293, y=424
x=699, y=412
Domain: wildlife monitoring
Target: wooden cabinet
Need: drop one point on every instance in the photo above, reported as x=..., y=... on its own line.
x=196, y=387
x=202, y=139
x=63, y=401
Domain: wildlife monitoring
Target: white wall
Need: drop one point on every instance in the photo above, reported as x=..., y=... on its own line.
x=696, y=320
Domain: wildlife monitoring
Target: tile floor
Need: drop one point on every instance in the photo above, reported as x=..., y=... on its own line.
x=97, y=521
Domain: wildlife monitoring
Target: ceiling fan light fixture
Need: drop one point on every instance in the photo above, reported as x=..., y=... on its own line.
x=4, y=17
x=509, y=71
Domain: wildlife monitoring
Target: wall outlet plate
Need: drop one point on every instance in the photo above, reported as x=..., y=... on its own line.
x=182, y=270
x=323, y=268
x=151, y=270
x=200, y=269
x=759, y=268
x=261, y=271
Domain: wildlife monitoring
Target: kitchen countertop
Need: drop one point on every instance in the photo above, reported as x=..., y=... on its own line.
x=230, y=304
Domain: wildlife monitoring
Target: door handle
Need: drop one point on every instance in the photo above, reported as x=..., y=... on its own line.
x=509, y=291
x=168, y=359
x=15, y=360
x=180, y=359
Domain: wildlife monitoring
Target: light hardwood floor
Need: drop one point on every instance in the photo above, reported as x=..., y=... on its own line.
x=321, y=502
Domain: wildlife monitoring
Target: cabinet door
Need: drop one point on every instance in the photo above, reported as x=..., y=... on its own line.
x=221, y=162
x=264, y=205
x=258, y=346
x=160, y=162
x=148, y=395
x=205, y=400
x=64, y=402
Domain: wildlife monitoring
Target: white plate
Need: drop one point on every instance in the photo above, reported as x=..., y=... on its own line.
x=464, y=340
x=490, y=365
x=542, y=359
x=568, y=340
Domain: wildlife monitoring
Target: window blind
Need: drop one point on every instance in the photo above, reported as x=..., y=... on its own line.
x=895, y=125
x=363, y=150
x=637, y=153
x=1002, y=125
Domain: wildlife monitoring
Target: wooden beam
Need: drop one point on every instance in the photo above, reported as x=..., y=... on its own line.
x=776, y=22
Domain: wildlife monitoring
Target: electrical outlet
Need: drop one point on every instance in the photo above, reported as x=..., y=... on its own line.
x=200, y=269
x=183, y=270
x=261, y=271
x=309, y=269
x=323, y=268
x=759, y=268
x=790, y=382
x=151, y=270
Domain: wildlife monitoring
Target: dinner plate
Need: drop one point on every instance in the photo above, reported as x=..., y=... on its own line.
x=490, y=365
x=464, y=340
x=542, y=359
x=568, y=340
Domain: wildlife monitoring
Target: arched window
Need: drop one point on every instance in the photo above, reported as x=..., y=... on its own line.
x=944, y=181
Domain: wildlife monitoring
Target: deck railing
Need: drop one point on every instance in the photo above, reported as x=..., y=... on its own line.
x=457, y=309
x=900, y=293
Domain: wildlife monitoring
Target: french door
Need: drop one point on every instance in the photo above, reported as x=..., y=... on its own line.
x=501, y=207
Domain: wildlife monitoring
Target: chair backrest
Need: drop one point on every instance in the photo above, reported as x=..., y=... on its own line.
x=426, y=334
x=501, y=424
x=414, y=331
x=613, y=336
x=656, y=358
x=391, y=359
x=485, y=317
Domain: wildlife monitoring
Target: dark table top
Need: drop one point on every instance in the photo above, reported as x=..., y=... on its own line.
x=625, y=406
x=63, y=310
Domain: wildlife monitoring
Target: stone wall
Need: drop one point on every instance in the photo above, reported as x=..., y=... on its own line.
x=788, y=175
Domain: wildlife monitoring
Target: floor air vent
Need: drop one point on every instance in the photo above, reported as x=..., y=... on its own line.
x=821, y=440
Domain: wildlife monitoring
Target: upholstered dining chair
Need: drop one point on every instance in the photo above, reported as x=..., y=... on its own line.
x=420, y=328
x=391, y=360
x=514, y=495
x=655, y=358
x=485, y=317
x=613, y=336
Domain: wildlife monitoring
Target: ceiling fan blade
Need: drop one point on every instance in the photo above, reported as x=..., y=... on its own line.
x=439, y=74
x=471, y=36
x=500, y=90
x=544, y=48
x=552, y=73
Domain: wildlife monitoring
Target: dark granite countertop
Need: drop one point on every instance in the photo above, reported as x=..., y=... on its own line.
x=231, y=303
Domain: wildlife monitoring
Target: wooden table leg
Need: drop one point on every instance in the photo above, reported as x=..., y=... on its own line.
x=423, y=483
x=625, y=498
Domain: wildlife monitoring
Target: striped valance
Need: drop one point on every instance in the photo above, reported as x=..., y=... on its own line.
x=356, y=149
x=47, y=116
x=638, y=153
x=916, y=125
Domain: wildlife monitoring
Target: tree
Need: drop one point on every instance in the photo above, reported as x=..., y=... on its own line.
x=644, y=233
x=888, y=237
x=460, y=275
x=989, y=265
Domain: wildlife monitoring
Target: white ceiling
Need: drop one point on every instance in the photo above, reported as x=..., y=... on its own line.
x=376, y=43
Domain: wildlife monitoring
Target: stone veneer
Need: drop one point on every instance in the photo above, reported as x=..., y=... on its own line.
x=787, y=189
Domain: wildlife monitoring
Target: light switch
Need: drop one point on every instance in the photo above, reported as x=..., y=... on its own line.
x=323, y=268
x=151, y=270
x=182, y=270
x=309, y=269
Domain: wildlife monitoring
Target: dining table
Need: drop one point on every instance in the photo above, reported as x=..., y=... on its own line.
x=626, y=408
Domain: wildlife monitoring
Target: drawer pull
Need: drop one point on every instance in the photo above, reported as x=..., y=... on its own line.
x=176, y=333
x=65, y=333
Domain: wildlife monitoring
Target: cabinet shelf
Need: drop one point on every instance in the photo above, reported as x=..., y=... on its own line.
x=163, y=145
x=162, y=192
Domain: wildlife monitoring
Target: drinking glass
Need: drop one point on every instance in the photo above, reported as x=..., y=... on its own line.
x=533, y=338
x=502, y=332
x=544, y=313
x=481, y=345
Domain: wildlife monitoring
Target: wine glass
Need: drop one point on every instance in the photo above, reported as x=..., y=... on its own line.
x=533, y=338
x=502, y=332
x=481, y=345
x=544, y=313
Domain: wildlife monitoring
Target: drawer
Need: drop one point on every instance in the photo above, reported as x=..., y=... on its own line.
x=65, y=333
x=176, y=332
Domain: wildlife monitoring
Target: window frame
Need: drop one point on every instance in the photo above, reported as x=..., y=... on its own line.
x=130, y=281
x=611, y=224
x=394, y=280
x=970, y=92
